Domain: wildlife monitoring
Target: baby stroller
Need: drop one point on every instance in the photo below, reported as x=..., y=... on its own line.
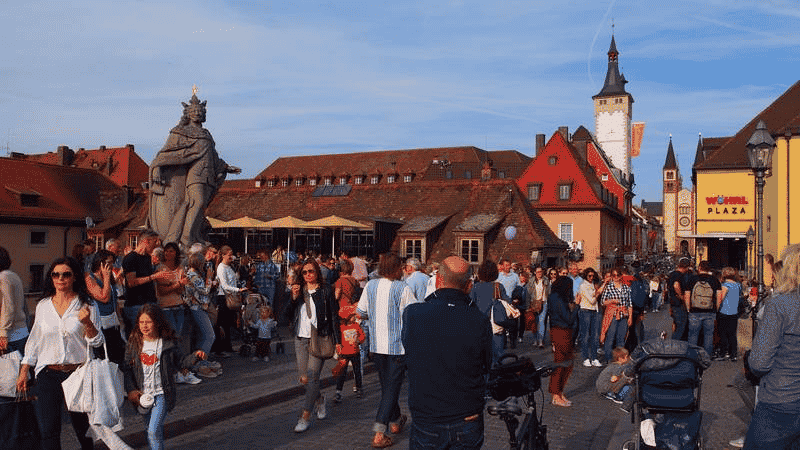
x=668, y=376
x=250, y=314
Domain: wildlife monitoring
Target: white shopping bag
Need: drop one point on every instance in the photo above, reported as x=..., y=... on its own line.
x=9, y=371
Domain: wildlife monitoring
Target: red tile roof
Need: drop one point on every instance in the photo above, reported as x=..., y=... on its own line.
x=460, y=200
x=121, y=164
x=416, y=161
x=64, y=193
x=781, y=115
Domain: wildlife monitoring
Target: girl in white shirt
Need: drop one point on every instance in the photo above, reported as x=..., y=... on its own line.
x=152, y=358
x=228, y=283
x=67, y=321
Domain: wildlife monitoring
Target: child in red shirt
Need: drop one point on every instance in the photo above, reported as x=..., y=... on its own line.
x=352, y=337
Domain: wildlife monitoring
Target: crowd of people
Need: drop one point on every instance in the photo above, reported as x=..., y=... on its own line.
x=167, y=318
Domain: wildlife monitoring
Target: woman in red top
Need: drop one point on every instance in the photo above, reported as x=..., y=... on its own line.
x=346, y=285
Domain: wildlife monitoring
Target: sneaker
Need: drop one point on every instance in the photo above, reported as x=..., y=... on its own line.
x=357, y=392
x=322, y=412
x=254, y=358
x=617, y=399
x=587, y=363
x=738, y=443
x=609, y=396
x=519, y=340
x=337, y=398
x=266, y=359
x=596, y=363
x=191, y=379
x=207, y=373
x=179, y=378
x=302, y=425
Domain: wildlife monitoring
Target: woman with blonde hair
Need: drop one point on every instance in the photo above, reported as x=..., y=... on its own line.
x=773, y=358
x=728, y=314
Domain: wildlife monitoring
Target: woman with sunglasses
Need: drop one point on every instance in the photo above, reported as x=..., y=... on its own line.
x=588, y=315
x=312, y=305
x=67, y=321
x=618, y=316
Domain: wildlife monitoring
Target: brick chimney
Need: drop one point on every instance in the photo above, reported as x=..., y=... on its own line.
x=564, y=132
x=539, y=143
x=65, y=155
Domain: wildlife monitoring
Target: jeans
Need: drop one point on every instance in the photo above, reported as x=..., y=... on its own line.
x=18, y=345
x=704, y=321
x=589, y=330
x=461, y=435
x=774, y=426
x=498, y=347
x=540, y=329
x=154, y=421
x=615, y=336
x=656, y=300
x=391, y=372
x=364, y=349
x=680, y=319
x=175, y=316
x=48, y=407
x=203, y=323
x=309, y=366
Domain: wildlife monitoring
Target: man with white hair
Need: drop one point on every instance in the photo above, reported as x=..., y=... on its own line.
x=415, y=278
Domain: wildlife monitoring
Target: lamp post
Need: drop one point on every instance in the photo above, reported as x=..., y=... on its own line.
x=759, y=151
x=751, y=235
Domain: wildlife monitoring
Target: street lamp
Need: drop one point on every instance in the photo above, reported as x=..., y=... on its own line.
x=759, y=151
x=751, y=235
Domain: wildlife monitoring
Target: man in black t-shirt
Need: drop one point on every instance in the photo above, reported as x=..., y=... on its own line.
x=677, y=284
x=702, y=299
x=138, y=268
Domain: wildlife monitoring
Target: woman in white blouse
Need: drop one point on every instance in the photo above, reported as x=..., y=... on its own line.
x=228, y=283
x=67, y=321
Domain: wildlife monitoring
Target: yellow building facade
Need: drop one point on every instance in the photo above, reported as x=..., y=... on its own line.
x=726, y=197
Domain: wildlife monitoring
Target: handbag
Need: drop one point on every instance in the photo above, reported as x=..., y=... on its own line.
x=94, y=388
x=322, y=347
x=233, y=300
x=9, y=370
x=503, y=314
x=744, y=308
x=536, y=306
x=18, y=427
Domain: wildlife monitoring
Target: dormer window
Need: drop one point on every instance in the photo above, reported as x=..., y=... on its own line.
x=328, y=181
x=285, y=182
x=358, y=180
x=298, y=182
x=407, y=178
x=270, y=183
x=374, y=179
x=342, y=181
x=391, y=178
x=312, y=181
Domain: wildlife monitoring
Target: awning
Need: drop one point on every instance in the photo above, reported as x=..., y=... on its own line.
x=720, y=235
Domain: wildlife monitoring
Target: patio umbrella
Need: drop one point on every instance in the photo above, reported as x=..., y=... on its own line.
x=215, y=223
x=245, y=222
x=290, y=223
x=335, y=222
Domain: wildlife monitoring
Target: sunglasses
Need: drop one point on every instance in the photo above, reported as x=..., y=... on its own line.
x=60, y=275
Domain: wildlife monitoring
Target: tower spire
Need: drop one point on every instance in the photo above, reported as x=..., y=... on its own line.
x=615, y=82
x=670, y=163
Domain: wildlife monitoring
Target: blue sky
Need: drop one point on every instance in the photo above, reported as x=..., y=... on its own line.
x=299, y=78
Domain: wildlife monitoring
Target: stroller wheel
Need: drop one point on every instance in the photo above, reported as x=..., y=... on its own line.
x=629, y=445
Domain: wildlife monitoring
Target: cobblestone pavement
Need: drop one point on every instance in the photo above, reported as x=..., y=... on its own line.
x=255, y=405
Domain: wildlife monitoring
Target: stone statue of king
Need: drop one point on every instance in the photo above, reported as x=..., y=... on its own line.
x=185, y=176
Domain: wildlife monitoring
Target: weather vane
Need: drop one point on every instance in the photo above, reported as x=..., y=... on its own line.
x=194, y=89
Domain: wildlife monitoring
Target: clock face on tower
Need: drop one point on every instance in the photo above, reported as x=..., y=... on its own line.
x=684, y=221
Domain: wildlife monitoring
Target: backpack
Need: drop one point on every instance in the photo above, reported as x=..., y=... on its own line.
x=702, y=296
x=638, y=294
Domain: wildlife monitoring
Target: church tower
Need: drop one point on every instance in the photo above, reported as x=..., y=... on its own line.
x=672, y=185
x=613, y=110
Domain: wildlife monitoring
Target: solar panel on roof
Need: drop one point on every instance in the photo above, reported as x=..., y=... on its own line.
x=337, y=190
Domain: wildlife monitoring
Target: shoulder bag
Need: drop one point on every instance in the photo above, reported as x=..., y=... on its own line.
x=503, y=314
x=233, y=300
x=322, y=347
x=9, y=370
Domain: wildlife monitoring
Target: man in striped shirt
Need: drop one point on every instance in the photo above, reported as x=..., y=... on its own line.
x=382, y=302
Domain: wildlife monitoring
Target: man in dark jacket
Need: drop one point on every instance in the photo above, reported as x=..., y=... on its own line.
x=448, y=353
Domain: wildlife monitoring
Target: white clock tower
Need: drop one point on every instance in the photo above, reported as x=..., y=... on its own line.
x=613, y=109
